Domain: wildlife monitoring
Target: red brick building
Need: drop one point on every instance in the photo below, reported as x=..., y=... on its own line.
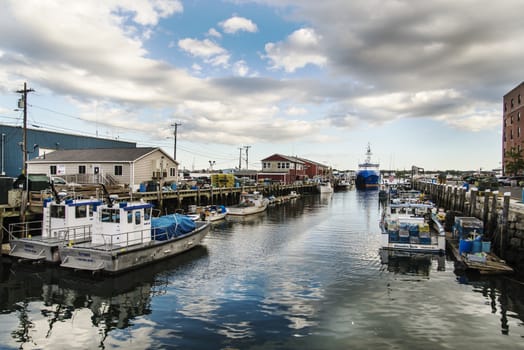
x=513, y=122
x=288, y=169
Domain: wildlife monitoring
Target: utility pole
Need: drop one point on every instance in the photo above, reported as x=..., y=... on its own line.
x=22, y=103
x=240, y=158
x=174, y=135
x=247, y=156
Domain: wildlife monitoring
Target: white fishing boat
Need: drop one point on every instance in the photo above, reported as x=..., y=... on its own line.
x=208, y=213
x=39, y=240
x=325, y=187
x=125, y=236
x=412, y=227
x=250, y=203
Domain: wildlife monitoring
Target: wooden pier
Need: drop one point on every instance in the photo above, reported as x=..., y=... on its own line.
x=502, y=219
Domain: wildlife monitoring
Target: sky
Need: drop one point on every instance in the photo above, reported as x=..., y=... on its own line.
x=421, y=82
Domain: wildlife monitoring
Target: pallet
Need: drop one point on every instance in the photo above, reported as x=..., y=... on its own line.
x=493, y=265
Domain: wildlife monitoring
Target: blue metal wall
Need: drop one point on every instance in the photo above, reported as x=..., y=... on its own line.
x=11, y=154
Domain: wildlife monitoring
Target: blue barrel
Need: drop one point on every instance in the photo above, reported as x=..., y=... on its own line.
x=486, y=246
x=143, y=187
x=477, y=246
x=465, y=246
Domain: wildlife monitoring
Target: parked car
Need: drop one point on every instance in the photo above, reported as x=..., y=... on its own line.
x=516, y=180
x=503, y=181
x=487, y=183
x=58, y=181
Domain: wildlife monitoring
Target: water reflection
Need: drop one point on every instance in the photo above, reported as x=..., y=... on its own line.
x=504, y=296
x=305, y=274
x=45, y=301
x=411, y=263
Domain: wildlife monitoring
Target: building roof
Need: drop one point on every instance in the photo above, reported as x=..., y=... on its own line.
x=114, y=155
x=277, y=156
x=314, y=163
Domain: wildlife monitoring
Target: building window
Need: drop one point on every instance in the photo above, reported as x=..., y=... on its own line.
x=518, y=98
x=81, y=169
x=511, y=103
x=511, y=120
x=505, y=107
x=118, y=170
x=511, y=134
x=287, y=165
x=52, y=169
x=518, y=116
x=172, y=172
x=518, y=132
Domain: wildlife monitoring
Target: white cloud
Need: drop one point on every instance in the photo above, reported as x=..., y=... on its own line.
x=240, y=68
x=196, y=67
x=149, y=12
x=214, y=33
x=200, y=48
x=474, y=121
x=296, y=111
x=301, y=48
x=236, y=24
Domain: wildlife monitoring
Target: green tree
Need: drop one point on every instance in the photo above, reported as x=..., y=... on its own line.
x=514, y=161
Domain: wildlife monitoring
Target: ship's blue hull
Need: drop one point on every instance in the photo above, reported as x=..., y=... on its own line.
x=367, y=179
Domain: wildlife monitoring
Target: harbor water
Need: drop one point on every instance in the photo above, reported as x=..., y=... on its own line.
x=306, y=274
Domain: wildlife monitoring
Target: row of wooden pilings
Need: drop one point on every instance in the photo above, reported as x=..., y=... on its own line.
x=175, y=200
x=503, y=219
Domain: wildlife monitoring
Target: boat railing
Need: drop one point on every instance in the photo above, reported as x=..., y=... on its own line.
x=25, y=229
x=33, y=230
x=73, y=234
x=131, y=238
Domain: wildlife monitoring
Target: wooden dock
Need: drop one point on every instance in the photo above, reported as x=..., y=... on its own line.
x=493, y=264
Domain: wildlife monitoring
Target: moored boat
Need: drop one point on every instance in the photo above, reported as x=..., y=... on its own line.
x=210, y=213
x=250, y=203
x=125, y=236
x=325, y=187
x=40, y=240
x=412, y=227
x=368, y=174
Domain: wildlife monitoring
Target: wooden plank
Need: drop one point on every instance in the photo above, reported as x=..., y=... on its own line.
x=493, y=265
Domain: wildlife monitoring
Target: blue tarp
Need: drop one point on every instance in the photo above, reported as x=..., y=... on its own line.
x=170, y=226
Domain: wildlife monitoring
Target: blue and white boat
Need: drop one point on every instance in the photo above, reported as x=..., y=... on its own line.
x=126, y=236
x=368, y=174
x=412, y=226
x=62, y=219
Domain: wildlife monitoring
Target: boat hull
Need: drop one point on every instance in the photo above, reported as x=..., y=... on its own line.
x=46, y=248
x=437, y=248
x=36, y=248
x=243, y=211
x=118, y=259
x=367, y=179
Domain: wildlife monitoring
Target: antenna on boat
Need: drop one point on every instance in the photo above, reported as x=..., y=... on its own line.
x=107, y=195
x=55, y=193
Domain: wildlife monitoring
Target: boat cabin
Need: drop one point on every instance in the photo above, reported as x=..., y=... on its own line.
x=122, y=224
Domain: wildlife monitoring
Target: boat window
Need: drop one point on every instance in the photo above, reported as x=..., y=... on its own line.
x=147, y=213
x=129, y=217
x=137, y=217
x=110, y=215
x=81, y=211
x=58, y=211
